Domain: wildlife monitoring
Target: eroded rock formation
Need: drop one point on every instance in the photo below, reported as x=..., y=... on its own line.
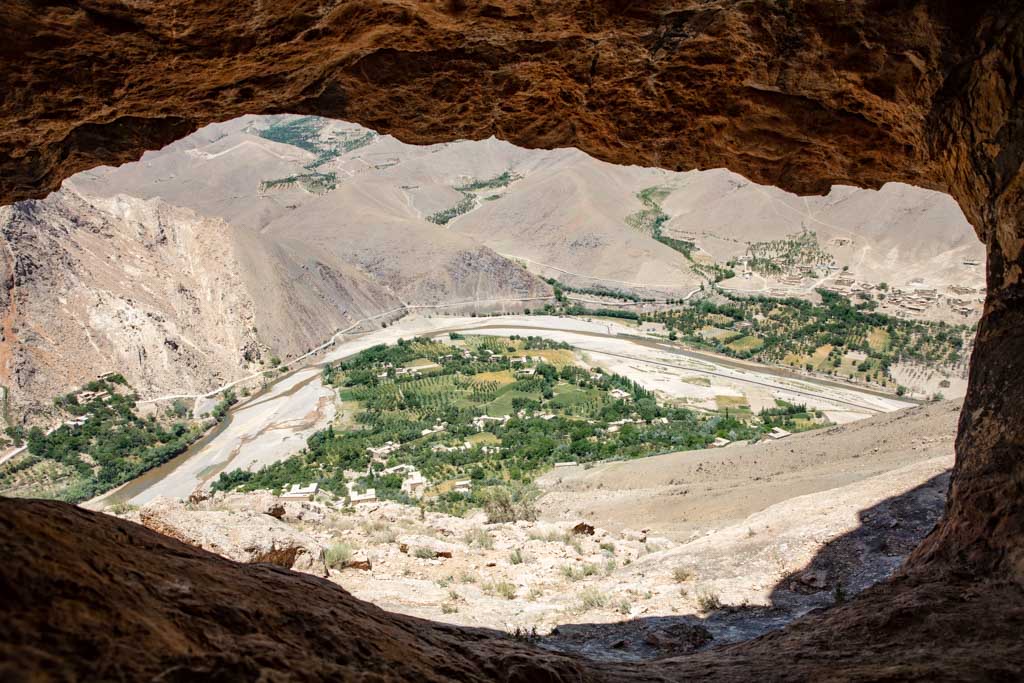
x=248, y=537
x=796, y=94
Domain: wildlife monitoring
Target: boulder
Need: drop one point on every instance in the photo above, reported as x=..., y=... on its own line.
x=243, y=536
x=583, y=529
x=678, y=639
x=359, y=560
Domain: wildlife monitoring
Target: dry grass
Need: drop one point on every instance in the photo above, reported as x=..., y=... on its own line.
x=708, y=601
x=504, y=589
x=338, y=555
x=479, y=537
x=591, y=598
x=681, y=574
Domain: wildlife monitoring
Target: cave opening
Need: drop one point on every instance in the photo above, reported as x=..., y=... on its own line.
x=776, y=379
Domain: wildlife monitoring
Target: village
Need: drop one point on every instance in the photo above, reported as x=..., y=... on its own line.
x=435, y=426
x=915, y=299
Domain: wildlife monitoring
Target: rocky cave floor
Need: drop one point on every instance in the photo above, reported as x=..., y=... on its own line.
x=566, y=586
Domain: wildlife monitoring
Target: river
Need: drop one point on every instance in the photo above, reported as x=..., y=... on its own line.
x=276, y=422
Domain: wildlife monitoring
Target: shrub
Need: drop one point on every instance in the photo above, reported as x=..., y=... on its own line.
x=449, y=608
x=479, y=537
x=578, y=573
x=708, y=601
x=388, y=535
x=425, y=553
x=516, y=557
x=338, y=555
x=681, y=574
x=505, y=589
x=551, y=536
x=592, y=598
x=527, y=635
x=121, y=507
x=511, y=503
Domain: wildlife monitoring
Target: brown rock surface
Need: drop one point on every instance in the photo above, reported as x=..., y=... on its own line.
x=114, y=600
x=797, y=94
x=241, y=536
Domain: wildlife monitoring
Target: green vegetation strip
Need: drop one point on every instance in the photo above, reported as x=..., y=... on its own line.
x=546, y=414
x=103, y=443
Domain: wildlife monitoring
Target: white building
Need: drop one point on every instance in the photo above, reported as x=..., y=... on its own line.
x=778, y=433
x=298, y=491
x=481, y=422
x=441, y=448
x=356, y=498
x=462, y=485
x=414, y=484
x=381, y=452
x=399, y=469
x=434, y=430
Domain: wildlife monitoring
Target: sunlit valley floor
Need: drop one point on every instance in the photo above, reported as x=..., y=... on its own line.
x=647, y=558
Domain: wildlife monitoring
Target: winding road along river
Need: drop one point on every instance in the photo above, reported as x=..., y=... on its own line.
x=276, y=423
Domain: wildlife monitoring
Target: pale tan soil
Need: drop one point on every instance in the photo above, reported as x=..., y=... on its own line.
x=770, y=531
x=181, y=272
x=679, y=495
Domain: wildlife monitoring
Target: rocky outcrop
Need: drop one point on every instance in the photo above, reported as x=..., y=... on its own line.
x=89, y=596
x=247, y=537
x=796, y=94
x=121, y=284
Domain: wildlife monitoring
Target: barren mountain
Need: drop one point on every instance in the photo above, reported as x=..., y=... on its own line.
x=263, y=236
x=120, y=284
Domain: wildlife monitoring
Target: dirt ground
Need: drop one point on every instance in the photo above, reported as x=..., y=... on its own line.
x=682, y=495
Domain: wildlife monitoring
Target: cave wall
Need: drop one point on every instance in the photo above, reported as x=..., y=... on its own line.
x=796, y=94
x=801, y=95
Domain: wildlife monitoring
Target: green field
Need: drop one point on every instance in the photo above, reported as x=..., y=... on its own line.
x=747, y=343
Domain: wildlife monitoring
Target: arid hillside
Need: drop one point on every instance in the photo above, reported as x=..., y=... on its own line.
x=263, y=236
x=632, y=560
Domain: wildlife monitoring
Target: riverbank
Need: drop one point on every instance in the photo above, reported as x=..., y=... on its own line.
x=275, y=424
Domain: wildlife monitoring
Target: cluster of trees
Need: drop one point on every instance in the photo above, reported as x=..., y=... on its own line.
x=501, y=180
x=652, y=218
x=444, y=216
x=795, y=327
x=783, y=256
x=314, y=182
x=513, y=451
x=113, y=444
x=594, y=291
x=789, y=416
x=304, y=133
